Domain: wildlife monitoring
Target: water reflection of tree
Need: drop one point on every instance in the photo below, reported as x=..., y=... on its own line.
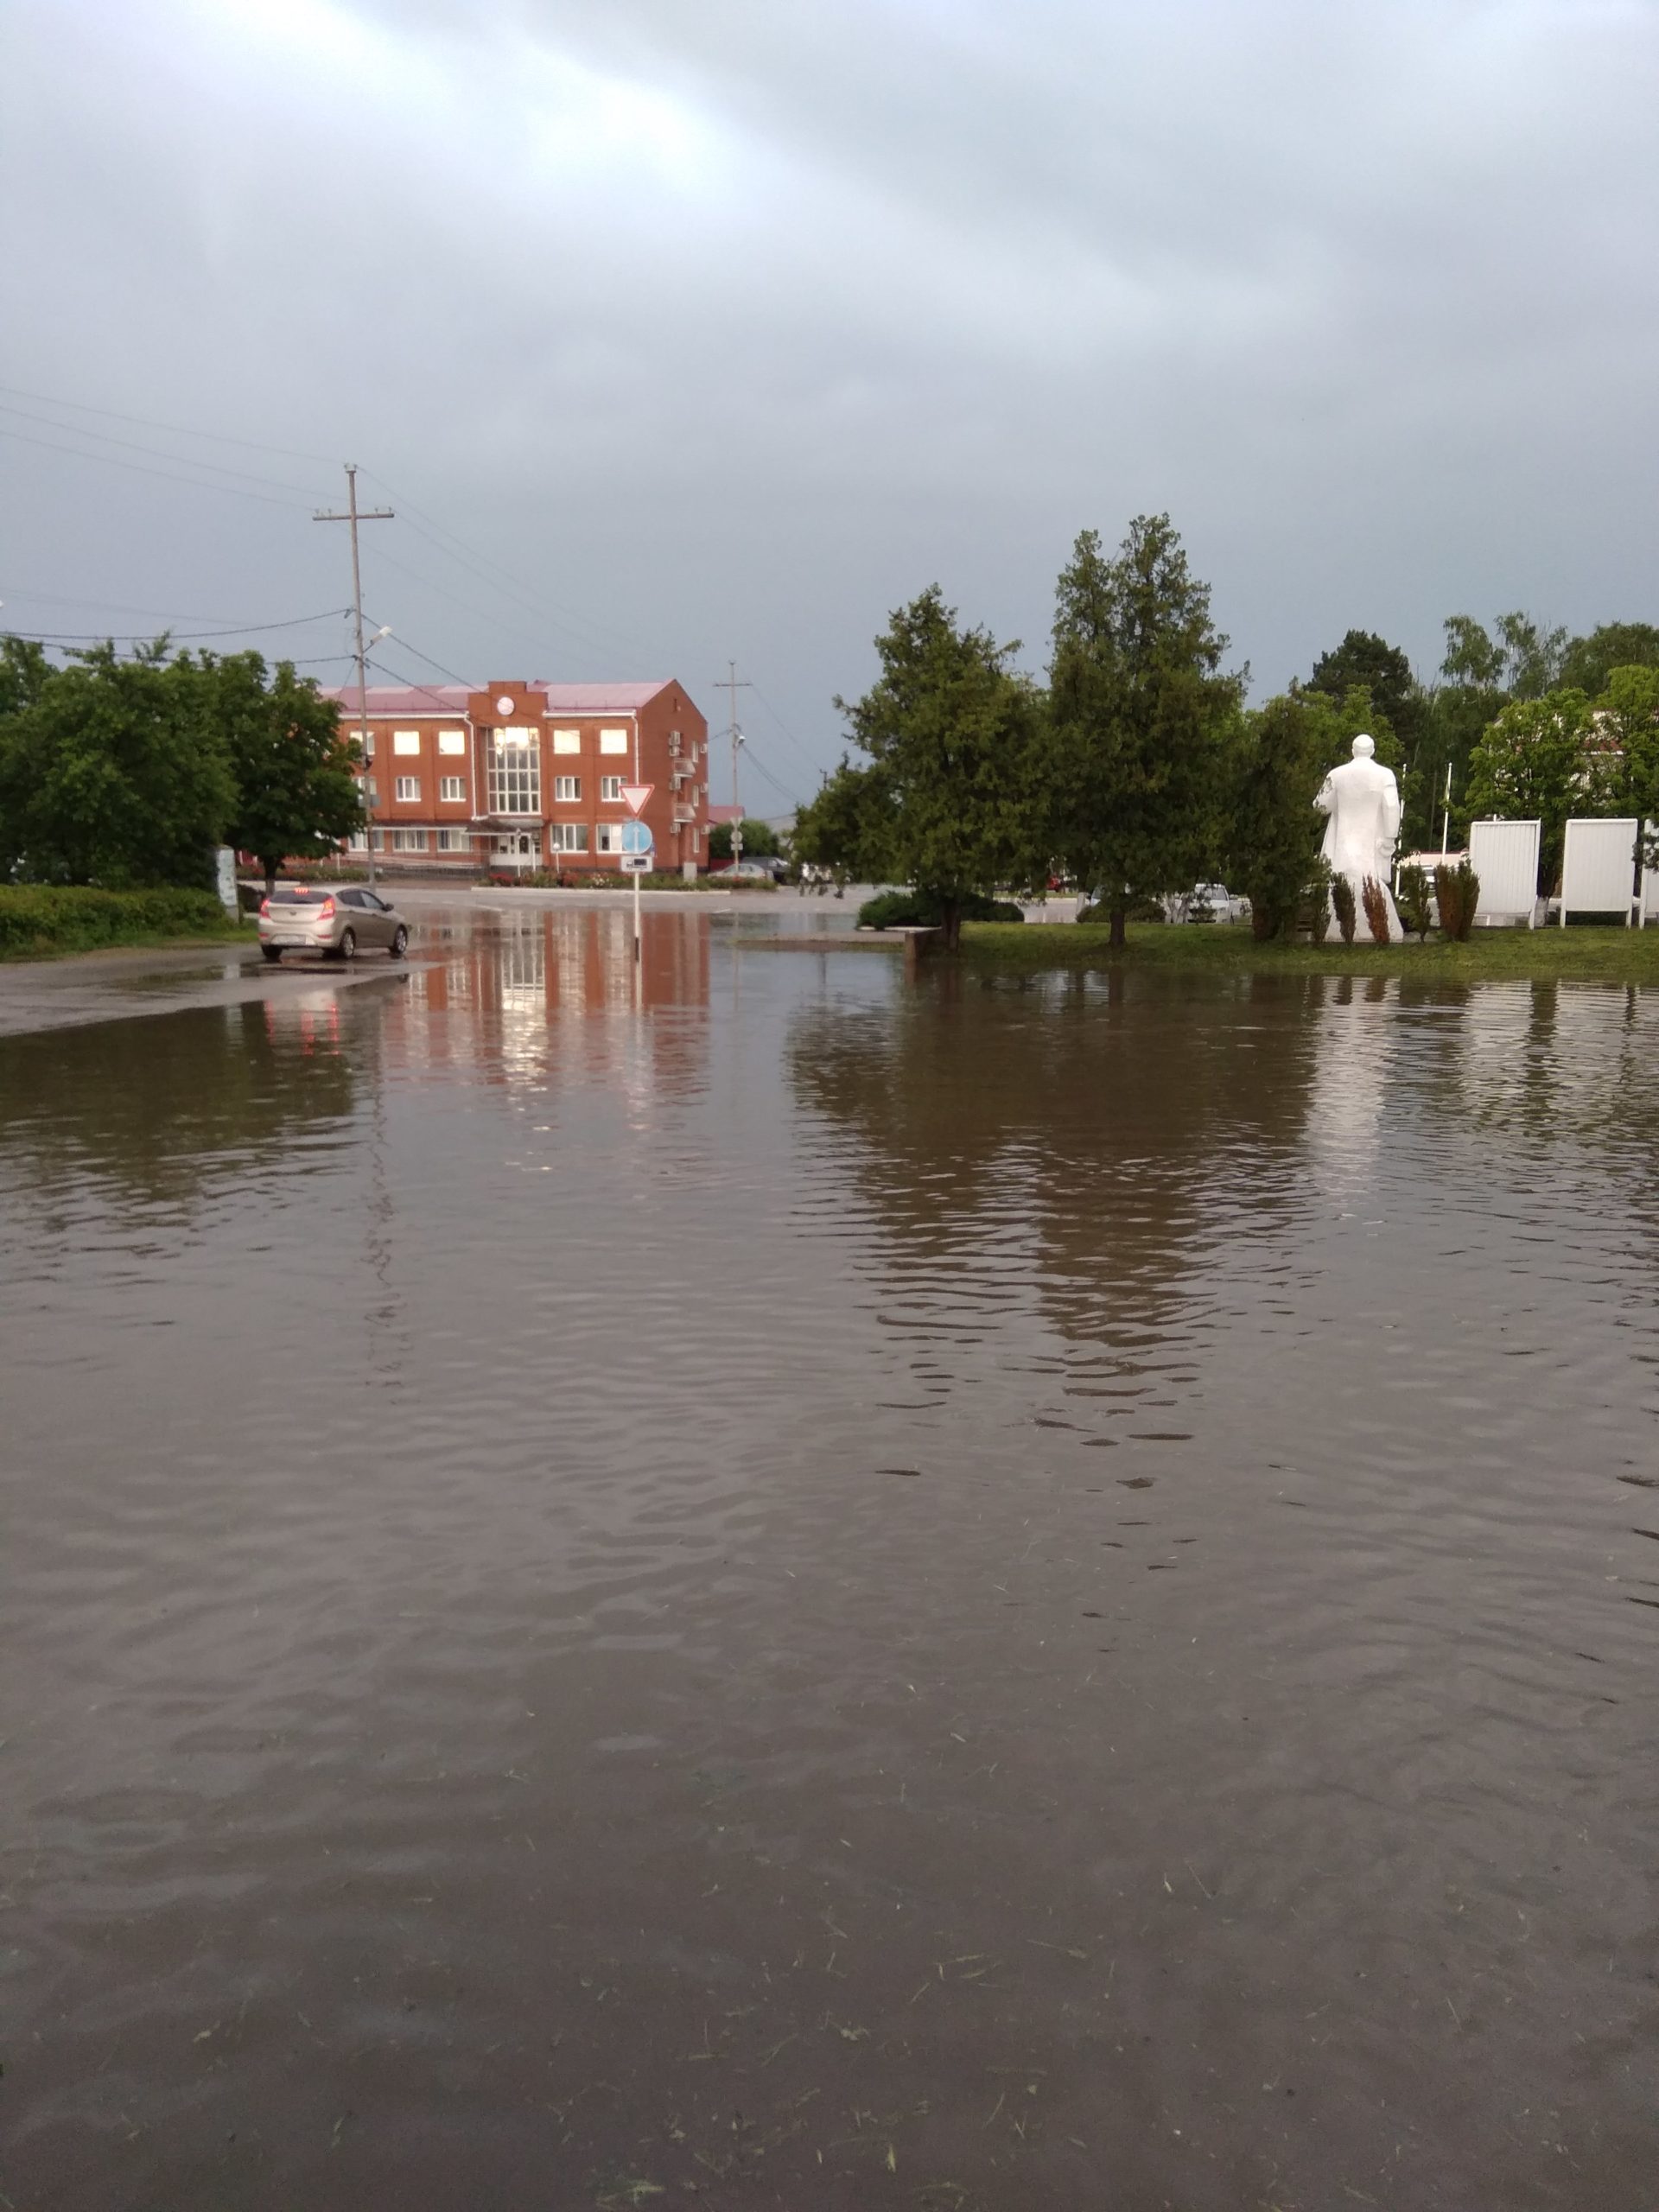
x=1091, y=1141
x=160, y=1109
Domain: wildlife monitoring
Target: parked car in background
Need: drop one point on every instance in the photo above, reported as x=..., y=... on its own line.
x=1207, y=902
x=314, y=918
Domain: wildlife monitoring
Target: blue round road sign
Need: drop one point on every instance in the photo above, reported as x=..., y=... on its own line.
x=636, y=837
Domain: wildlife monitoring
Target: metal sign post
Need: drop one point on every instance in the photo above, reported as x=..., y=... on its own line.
x=637, y=842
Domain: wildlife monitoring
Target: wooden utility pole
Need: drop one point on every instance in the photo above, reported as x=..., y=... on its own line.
x=354, y=516
x=732, y=683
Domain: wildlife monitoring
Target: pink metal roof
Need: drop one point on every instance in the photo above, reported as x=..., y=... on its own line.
x=451, y=698
x=401, y=699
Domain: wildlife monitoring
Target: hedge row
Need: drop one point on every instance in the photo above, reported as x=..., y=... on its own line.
x=39, y=918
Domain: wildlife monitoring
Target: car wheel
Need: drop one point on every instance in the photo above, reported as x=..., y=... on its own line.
x=399, y=942
x=348, y=944
x=272, y=952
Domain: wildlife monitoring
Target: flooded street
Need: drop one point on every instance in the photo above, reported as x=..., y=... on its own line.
x=770, y=1585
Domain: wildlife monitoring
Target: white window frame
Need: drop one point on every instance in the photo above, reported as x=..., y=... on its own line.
x=610, y=787
x=568, y=837
x=408, y=841
x=515, y=773
x=454, y=840
x=452, y=787
x=613, y=740
x=452, y=741
x=567, y=740
x=567, y=790
x=406, y=792
x=406, y=743
x=609, y=838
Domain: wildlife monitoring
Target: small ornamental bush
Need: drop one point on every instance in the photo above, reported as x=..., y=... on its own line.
x=1413, y=898
x=1376, y=909
x=1342, y=900
x=1316, y=910
x=1457, y=894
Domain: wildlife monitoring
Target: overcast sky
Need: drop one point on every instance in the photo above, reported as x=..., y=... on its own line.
x=715, y=328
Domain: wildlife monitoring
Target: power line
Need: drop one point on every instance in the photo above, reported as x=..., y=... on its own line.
x=783, y=725
x=404, y=646
x=113, y=460
x=147, y=423
x=410, y=684
x=131, y=445
x=174, y=637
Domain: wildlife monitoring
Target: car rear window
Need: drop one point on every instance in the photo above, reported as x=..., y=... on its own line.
x=296, y=894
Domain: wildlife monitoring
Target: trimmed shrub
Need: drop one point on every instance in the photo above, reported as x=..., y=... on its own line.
x=891, y=910
x=1457, y=894
x=42, y=917
x=1343, y=903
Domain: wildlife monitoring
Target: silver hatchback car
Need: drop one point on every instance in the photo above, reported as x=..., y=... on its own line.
x=311, y=918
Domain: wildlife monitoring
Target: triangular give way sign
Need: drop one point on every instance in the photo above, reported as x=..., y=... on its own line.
x=636, y=795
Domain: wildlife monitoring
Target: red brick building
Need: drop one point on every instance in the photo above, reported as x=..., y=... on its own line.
x=524, y=776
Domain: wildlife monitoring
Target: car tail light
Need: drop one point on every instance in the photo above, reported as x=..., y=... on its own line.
x=264, y=905
x=326, y=908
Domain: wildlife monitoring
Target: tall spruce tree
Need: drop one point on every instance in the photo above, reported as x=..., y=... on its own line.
x=947, y=801
x=1140, y=720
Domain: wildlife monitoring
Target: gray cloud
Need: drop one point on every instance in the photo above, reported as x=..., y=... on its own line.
x=720, y=330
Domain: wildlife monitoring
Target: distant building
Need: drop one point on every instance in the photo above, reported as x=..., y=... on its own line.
x=525, y=776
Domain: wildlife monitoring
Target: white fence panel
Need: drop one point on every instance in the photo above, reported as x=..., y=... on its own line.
x=1599, y=867
x=1504, y=856
x=1649, y=885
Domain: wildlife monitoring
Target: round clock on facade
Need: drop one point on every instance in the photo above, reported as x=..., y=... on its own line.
x=504, y=706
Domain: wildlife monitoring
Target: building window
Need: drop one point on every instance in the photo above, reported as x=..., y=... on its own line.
x=452, y=740
x=610, y=787
x=407, y=787
x=378, y=837
x=567, y=788
x=453, y=840
x=568, y=837
x=567, y=740
x=371, y=791
x=452, y=787
x=357, y=842
x=408, y=841
x=367, y=744
x=406, y=740
x=613, y=740
x=515, y=772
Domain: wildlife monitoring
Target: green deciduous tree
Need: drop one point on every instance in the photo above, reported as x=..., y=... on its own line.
x=843, y=826
x=1589, y=662
x=296, y=797
x=947, y=801
x=1140, y=720
x=1539, y=759
x=115, y=774
x=760, y=840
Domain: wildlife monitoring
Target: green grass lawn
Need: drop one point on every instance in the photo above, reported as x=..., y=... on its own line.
x=1580, y=954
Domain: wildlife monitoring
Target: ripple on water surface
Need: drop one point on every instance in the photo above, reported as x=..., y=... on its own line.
x=764, y=1581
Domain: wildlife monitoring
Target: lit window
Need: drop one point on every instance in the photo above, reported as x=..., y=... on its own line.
x=407, y=787
x=453, y=840
x=569, y=836
x=452, y=740
x=371, y=790
x=567, y=740
x=613, y=740
x=567, y=788
x=452, y=787
x=368, y=746
x=406, y=740
x=515, y=772
x=408, y=841
x=610, y=787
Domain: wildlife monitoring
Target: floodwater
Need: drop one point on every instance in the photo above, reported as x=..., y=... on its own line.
x=774, y=1584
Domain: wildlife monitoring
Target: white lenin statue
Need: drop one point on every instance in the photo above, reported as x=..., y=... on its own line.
x=1362, y=800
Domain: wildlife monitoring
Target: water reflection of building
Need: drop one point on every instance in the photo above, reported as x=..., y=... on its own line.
x=518, y=998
